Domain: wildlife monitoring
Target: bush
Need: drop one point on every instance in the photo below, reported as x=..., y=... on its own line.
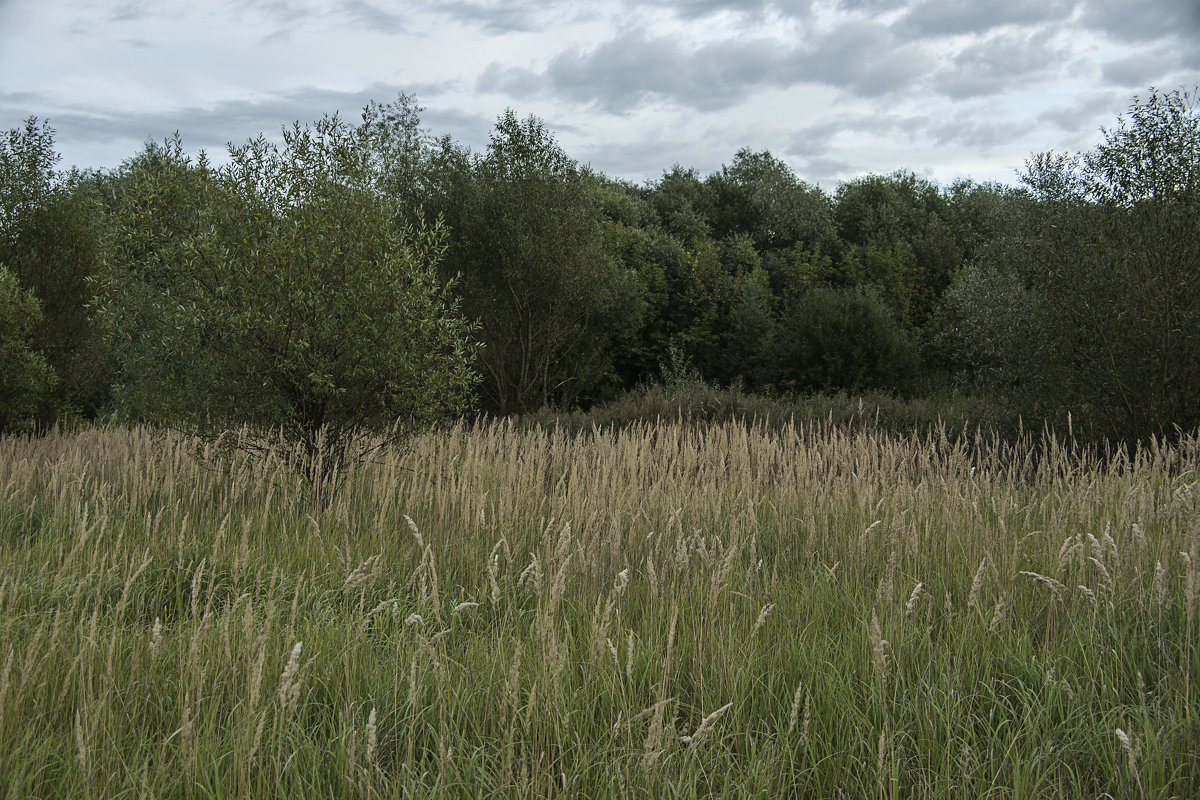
x=844, y=340
x=25, y=377
x=1089, y=317
x=279, y=293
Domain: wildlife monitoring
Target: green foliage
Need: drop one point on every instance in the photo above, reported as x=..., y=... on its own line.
x=682, y=396
x=985, y=320
x=889, y=270
x=51, y=231
x=752, y=330
x=1107, y=256
x=685, y=204
x=759, y=195
x=528, y=241
x=677, y=372
x=908, y=224
x=805, y=269
x=25, y=377
x=831, y=339
x=280, y=293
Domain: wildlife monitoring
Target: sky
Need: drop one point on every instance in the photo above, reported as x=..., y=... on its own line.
x=836, y=88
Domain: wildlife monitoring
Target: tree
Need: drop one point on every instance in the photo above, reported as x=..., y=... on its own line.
x=906, y=226
x=685, y=204
x=25, y=377
x=1106, y=258
x=527, y=239
x=280, y=293
x=752, y=329
x=760, y=196
x=51, y=231
x=846, y=340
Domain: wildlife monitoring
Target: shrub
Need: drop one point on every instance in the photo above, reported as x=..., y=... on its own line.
x=842, y=340
x=25, y=377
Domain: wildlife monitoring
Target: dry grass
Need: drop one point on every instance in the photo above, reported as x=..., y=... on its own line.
x=662, y=610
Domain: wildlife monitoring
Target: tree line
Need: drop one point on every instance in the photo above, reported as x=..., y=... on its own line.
x=371, y=276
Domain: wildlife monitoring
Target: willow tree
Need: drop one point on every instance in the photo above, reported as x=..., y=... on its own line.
x=528, y=242
x=1091, y=307
x=279, y=295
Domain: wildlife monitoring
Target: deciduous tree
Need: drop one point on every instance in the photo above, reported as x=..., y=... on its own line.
x=280, y=293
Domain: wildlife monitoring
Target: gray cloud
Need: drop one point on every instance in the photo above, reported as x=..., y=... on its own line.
x=863, y=57
x=1086, y=113
x=131, y=11
x=501, y=16
x=1140, y=69
x=816, y=139
x=623, y=73
x=626, y=72
x=696, y=9
x=820, y=138
x=373, y=17
x=973, y=130
x=872, y=6
x=1145, y=20
x=633, y=70
x=516, y=81
x=811, y=149
x=823, y=171
x=950, y=17
x=648, y=156
x=1001, y=62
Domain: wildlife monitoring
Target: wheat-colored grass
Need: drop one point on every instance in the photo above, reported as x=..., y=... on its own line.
x=531, y=613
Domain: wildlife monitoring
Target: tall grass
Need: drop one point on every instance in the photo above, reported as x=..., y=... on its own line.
x=656, y=611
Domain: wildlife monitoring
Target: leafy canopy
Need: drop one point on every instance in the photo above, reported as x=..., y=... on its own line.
x=280, y=293
x=25, y=377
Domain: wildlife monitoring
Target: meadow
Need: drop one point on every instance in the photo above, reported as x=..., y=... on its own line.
x=663, y=610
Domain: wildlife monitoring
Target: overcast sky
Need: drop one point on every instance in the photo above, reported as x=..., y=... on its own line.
x=837, y=88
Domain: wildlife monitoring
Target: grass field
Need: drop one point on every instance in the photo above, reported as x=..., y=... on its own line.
x=664, y=611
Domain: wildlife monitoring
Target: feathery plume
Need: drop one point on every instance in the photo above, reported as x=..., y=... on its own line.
x=1055, y=587
x=289, y=681
x=794, y=717
x=879, y=644
x=372, y=737
x=1132, y=748
x=917, y=593
x=1160, y=584
x=155, y=637
x=999, y=613
x=976, y=585
x=762, y=618
x=705, y=726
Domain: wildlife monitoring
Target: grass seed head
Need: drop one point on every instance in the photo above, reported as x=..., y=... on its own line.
x=794, y=717
x=1056, y=588
x=705, y=726
x=762, y=618
x=878, y=643
x=918, y=592
x=372, y=737
x=976, y=584
x=999, y=613
x=1132, y=748
x=289, y=681
x=155, y=637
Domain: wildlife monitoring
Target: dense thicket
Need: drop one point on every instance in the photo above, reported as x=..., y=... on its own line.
x=1076, y=293
x=281, y=293
x=52, y=227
